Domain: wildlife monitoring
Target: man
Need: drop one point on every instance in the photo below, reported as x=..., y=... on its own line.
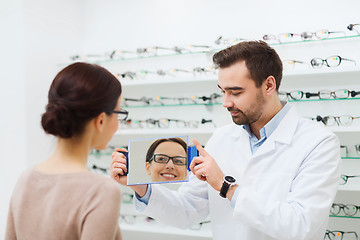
x=286, y=167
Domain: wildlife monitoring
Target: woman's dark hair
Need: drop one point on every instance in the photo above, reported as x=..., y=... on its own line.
x=261, y=60
x=79, y=93
x=155, y=144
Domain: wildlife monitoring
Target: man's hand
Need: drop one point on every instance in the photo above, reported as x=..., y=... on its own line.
x=206, y=169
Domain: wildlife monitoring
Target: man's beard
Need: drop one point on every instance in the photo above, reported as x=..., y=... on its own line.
x=253, y=114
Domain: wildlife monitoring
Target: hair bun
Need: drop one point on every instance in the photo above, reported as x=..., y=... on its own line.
x=58, y=120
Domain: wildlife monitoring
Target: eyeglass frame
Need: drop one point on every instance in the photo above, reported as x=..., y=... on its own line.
x=326, y=62
x=169, y=158
x=342, y=206
x=122, y=111
x=336, y=120
x=346, y=178
x=342, y=234
x=288, y=94
x=331, y=94
x=305, y=37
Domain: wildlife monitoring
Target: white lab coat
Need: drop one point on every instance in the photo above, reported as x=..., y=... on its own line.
x=286, y=188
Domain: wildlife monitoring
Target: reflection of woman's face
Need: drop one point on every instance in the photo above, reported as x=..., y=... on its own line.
x=161, y=172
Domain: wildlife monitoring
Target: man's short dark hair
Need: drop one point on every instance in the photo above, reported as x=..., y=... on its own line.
x=261, y=60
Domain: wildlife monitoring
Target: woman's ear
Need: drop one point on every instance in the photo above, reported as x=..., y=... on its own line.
x=147, y=168
x=100, y=121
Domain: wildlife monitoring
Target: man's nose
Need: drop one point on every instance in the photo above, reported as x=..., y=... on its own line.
x=227, y=101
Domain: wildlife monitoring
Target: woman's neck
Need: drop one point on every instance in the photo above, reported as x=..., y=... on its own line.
x=69, y=156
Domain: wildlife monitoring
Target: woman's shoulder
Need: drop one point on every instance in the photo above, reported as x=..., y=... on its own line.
x=101, y=180
x=101, y=187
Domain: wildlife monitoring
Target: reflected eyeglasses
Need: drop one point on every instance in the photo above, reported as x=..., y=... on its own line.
x=122, y=114
x=164, y=159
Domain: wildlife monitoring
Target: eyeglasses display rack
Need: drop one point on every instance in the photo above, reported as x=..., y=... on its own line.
x=170, y=95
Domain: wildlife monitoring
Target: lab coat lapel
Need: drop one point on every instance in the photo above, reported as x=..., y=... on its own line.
x=241, y=137
x=284, y=133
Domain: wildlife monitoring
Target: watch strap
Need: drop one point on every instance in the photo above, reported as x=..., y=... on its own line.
x=228, y=182
x=224, y=189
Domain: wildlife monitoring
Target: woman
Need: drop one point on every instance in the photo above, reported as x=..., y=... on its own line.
x=59, y=198
x=166, y=160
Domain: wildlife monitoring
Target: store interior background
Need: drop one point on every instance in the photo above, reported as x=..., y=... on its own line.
x=38, y=36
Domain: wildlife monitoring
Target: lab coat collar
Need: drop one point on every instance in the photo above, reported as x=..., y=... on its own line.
x=283, y=134
x=286, y=129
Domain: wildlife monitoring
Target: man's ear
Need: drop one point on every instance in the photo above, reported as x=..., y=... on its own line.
x=99, y=121
x=269, y=85
x=147, y=168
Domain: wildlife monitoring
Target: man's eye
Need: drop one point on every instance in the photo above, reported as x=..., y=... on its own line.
x=236, y=93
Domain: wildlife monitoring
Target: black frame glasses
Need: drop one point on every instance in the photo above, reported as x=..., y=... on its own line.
x=348, y=209
x=338, y=235
x=120, y=113
x=345, y=178
x=351, y=27
x=164, y=159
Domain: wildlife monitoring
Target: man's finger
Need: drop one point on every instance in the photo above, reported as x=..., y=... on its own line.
x=193, y=163
x=199, y=148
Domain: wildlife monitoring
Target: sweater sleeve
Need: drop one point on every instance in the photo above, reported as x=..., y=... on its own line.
x=10, y=232
x=101, y=216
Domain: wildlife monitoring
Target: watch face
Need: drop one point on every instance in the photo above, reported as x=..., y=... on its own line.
x=230, y=179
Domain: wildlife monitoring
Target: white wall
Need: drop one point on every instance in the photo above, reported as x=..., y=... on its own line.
x=38, y=35
x=141, y=23
x=12, y=101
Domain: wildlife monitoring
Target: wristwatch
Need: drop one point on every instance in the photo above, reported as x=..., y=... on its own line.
x=228, y=182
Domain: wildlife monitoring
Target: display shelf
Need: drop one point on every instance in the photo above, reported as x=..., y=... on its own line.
x=349, y=187
x=349, y=129
x=169, y=80
x=208, y=52
x=331, y=76
x=349, y=158
x=336, y=216
x=180, y=131
x=316, y=40
x=322, y=100
x=173, y=105
x=164, y=229
x=137, y=58
x=324, y=72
